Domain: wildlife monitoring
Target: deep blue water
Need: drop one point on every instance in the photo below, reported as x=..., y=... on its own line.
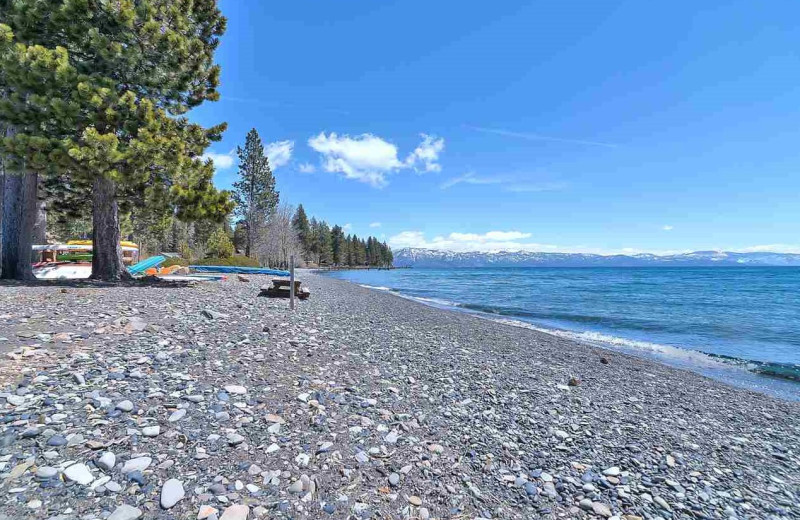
x=734, y=324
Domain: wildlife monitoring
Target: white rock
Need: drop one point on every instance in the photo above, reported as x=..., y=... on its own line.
x=171, y=493
x=613, y=471
x=177, y=415
x=139, y=463
x=125, y=512
x=79, y=473
x=125, y=406
x=107, y=461
x=235, y=389
x=151, y=431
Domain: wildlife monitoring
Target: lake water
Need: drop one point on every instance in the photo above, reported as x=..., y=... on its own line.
x=739, y=325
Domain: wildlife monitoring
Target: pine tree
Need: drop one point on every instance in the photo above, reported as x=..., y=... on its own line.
x=303, y=230
x=121, y=74
x=254, y=192
x=324, y=244
x=337, y=245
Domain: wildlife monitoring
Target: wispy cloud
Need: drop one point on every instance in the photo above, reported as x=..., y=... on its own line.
x=371, y=159
x=375, y=224
x=222, y=161
x=516, y=183
x=307, y=168
x=279, y=153
x=425, y=157
x=539, y=137
x=667, y=228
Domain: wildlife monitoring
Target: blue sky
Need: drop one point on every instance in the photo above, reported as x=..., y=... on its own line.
x=596, y=126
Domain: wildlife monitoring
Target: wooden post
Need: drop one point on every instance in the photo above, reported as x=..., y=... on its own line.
x=291, y=282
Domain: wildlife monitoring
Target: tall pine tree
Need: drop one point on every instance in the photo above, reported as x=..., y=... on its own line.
x=254, y=192
x=125, y=71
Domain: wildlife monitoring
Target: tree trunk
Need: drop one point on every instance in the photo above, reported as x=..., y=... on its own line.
x=106, y=251
x=19, y=216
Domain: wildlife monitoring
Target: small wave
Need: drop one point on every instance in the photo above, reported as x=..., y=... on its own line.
x=376, y=287
x=437, y=302
x=600, y=339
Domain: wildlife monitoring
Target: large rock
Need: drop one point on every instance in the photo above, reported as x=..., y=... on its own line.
x=79, y=473
x=125, y=512
x=171, y=493
x=236, y=512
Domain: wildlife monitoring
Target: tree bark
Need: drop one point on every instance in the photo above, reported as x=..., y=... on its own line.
x=19, y=216
x=106, y=251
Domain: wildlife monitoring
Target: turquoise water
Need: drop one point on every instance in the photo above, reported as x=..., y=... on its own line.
x=740, y=325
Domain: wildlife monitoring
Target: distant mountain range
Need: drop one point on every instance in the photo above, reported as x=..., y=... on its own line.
x=415, y=257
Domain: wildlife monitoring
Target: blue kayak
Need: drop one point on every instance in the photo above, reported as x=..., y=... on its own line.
x=237, y=270
x=146, y=264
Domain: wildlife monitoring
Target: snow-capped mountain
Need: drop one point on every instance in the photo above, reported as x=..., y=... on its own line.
x=416, y=257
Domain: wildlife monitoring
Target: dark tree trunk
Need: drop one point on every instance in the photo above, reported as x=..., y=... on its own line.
x=106, y=251
x=19, y=216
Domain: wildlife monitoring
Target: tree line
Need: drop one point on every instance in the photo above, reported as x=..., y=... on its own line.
x=329, y=246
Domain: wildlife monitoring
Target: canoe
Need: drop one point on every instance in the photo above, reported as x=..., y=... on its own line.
x=235, y=269
x=146, y=264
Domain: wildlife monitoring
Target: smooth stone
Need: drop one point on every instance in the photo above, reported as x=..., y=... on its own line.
x=394, y=479
x=235, y=512
x=125, y=512
x=107, y=461
x=234, y=439
x=125, y=406
x=601, y=509
x=171, y=493
x=235, y=389
x=31, y=433
x=151, y=431
x=137, y=464
x=57, y=440
x=46, y=472
x=79, y=473
x=613, y=471
x=296, y=487
x=415, y=500
x=113, y=487
x=177, y=415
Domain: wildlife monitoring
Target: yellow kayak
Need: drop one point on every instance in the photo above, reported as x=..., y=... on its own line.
x=123, y=243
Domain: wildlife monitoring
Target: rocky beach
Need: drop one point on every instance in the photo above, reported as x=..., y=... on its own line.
x=208, y=401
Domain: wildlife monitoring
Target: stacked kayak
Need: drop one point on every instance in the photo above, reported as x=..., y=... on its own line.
x=236, y=270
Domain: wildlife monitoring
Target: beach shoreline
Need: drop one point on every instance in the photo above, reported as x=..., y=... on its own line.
x=390, y=407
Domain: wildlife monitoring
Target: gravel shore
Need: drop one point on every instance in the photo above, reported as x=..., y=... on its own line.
x=208, y=401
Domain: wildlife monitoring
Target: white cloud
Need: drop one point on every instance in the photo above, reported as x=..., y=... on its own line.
x=769, y=248
x=222, y=161
x=487, y=242
x=375, y=224
x=347, y=227
x=517, y=183
x=307, y=168
x=371, y=159
x=427, y=154
x=495, y=241
x=667, y=228
x=279, y=153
